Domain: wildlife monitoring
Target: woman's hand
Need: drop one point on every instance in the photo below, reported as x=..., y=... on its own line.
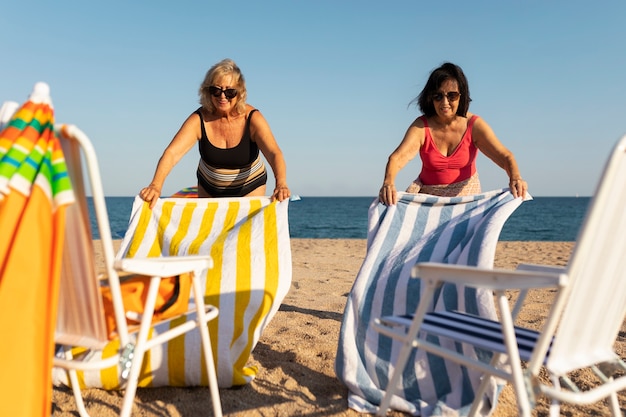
x=388, y=195
x=518, y=187
x=150, y=194
x=281, y=192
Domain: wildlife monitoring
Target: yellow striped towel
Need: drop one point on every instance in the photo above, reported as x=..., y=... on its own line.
x=248, y=239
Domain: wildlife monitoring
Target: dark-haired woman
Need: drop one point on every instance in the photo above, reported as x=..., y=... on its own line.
x=448, y=138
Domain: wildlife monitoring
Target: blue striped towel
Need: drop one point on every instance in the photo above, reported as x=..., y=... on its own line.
x=421, y=227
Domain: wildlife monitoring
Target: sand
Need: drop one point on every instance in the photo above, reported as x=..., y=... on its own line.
x=295, y=355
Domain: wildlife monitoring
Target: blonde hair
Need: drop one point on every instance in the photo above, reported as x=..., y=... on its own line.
x=218, y=71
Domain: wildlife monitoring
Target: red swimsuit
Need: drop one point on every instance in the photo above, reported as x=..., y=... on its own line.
x=438, y=169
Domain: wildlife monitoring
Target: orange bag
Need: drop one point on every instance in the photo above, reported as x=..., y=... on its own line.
x=172, y=300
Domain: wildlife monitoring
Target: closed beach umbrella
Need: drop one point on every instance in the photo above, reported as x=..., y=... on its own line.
x=6, y=112
x=34, y=190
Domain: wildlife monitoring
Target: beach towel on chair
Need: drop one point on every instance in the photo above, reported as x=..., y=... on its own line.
x=421, y=227
x=248, y=239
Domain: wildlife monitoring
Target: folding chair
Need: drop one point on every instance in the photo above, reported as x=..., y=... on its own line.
x=81, y=319
x=579, y=331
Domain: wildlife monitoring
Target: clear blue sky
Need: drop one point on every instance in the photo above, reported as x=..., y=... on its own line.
x=333, y=78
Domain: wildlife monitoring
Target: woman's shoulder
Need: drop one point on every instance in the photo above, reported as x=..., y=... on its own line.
x=476, y=121
x=473, y=121
x=251, y=110
x=200, y=111
x=420, y=122
x=254, y=115
x=193, y=116
x=480, y=127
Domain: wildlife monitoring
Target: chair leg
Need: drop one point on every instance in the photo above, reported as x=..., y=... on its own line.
x=614, y=404
x=482, y=389
x=403, y=357
x=140, y=348
x=523, y=402
x=72, y=375
x=78, y=396
x=131, y=385
x=484, y=384
x=555, y=406
x=206, y=347
x=407, y=347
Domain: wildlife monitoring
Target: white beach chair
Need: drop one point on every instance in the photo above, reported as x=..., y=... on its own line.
x=581, y=327
x=81, y=318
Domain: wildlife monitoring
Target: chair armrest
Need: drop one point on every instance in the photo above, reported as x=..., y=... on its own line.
x=489, y=278
x=164, y=266
x=541, y=268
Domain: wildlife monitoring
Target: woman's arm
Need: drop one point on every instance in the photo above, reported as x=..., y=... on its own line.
x=264, y=138
x=486, y=140
x=186, y=137
x=406, y=151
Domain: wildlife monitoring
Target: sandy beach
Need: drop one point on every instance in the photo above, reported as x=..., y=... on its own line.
x=295, y=355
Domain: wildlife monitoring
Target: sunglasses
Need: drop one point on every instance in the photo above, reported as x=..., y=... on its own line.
x=228, y=92
x=450, y=95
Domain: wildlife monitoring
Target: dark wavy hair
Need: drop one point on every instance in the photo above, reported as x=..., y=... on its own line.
x=437, y=77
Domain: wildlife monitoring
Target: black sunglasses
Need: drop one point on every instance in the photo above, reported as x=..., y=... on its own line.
x=450, y=95
x=217, y=92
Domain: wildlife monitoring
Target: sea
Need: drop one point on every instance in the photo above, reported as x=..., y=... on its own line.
x=548, y=219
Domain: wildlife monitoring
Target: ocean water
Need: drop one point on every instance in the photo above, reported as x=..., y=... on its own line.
x=540, y=219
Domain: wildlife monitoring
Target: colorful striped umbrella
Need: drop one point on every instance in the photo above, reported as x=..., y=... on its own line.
x=34, y=191
x=189, y=192
x=6, y=112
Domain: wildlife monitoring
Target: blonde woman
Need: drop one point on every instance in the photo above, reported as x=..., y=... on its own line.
x=229, y=134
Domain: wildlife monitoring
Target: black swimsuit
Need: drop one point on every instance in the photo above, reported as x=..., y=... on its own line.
x=232, y=172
